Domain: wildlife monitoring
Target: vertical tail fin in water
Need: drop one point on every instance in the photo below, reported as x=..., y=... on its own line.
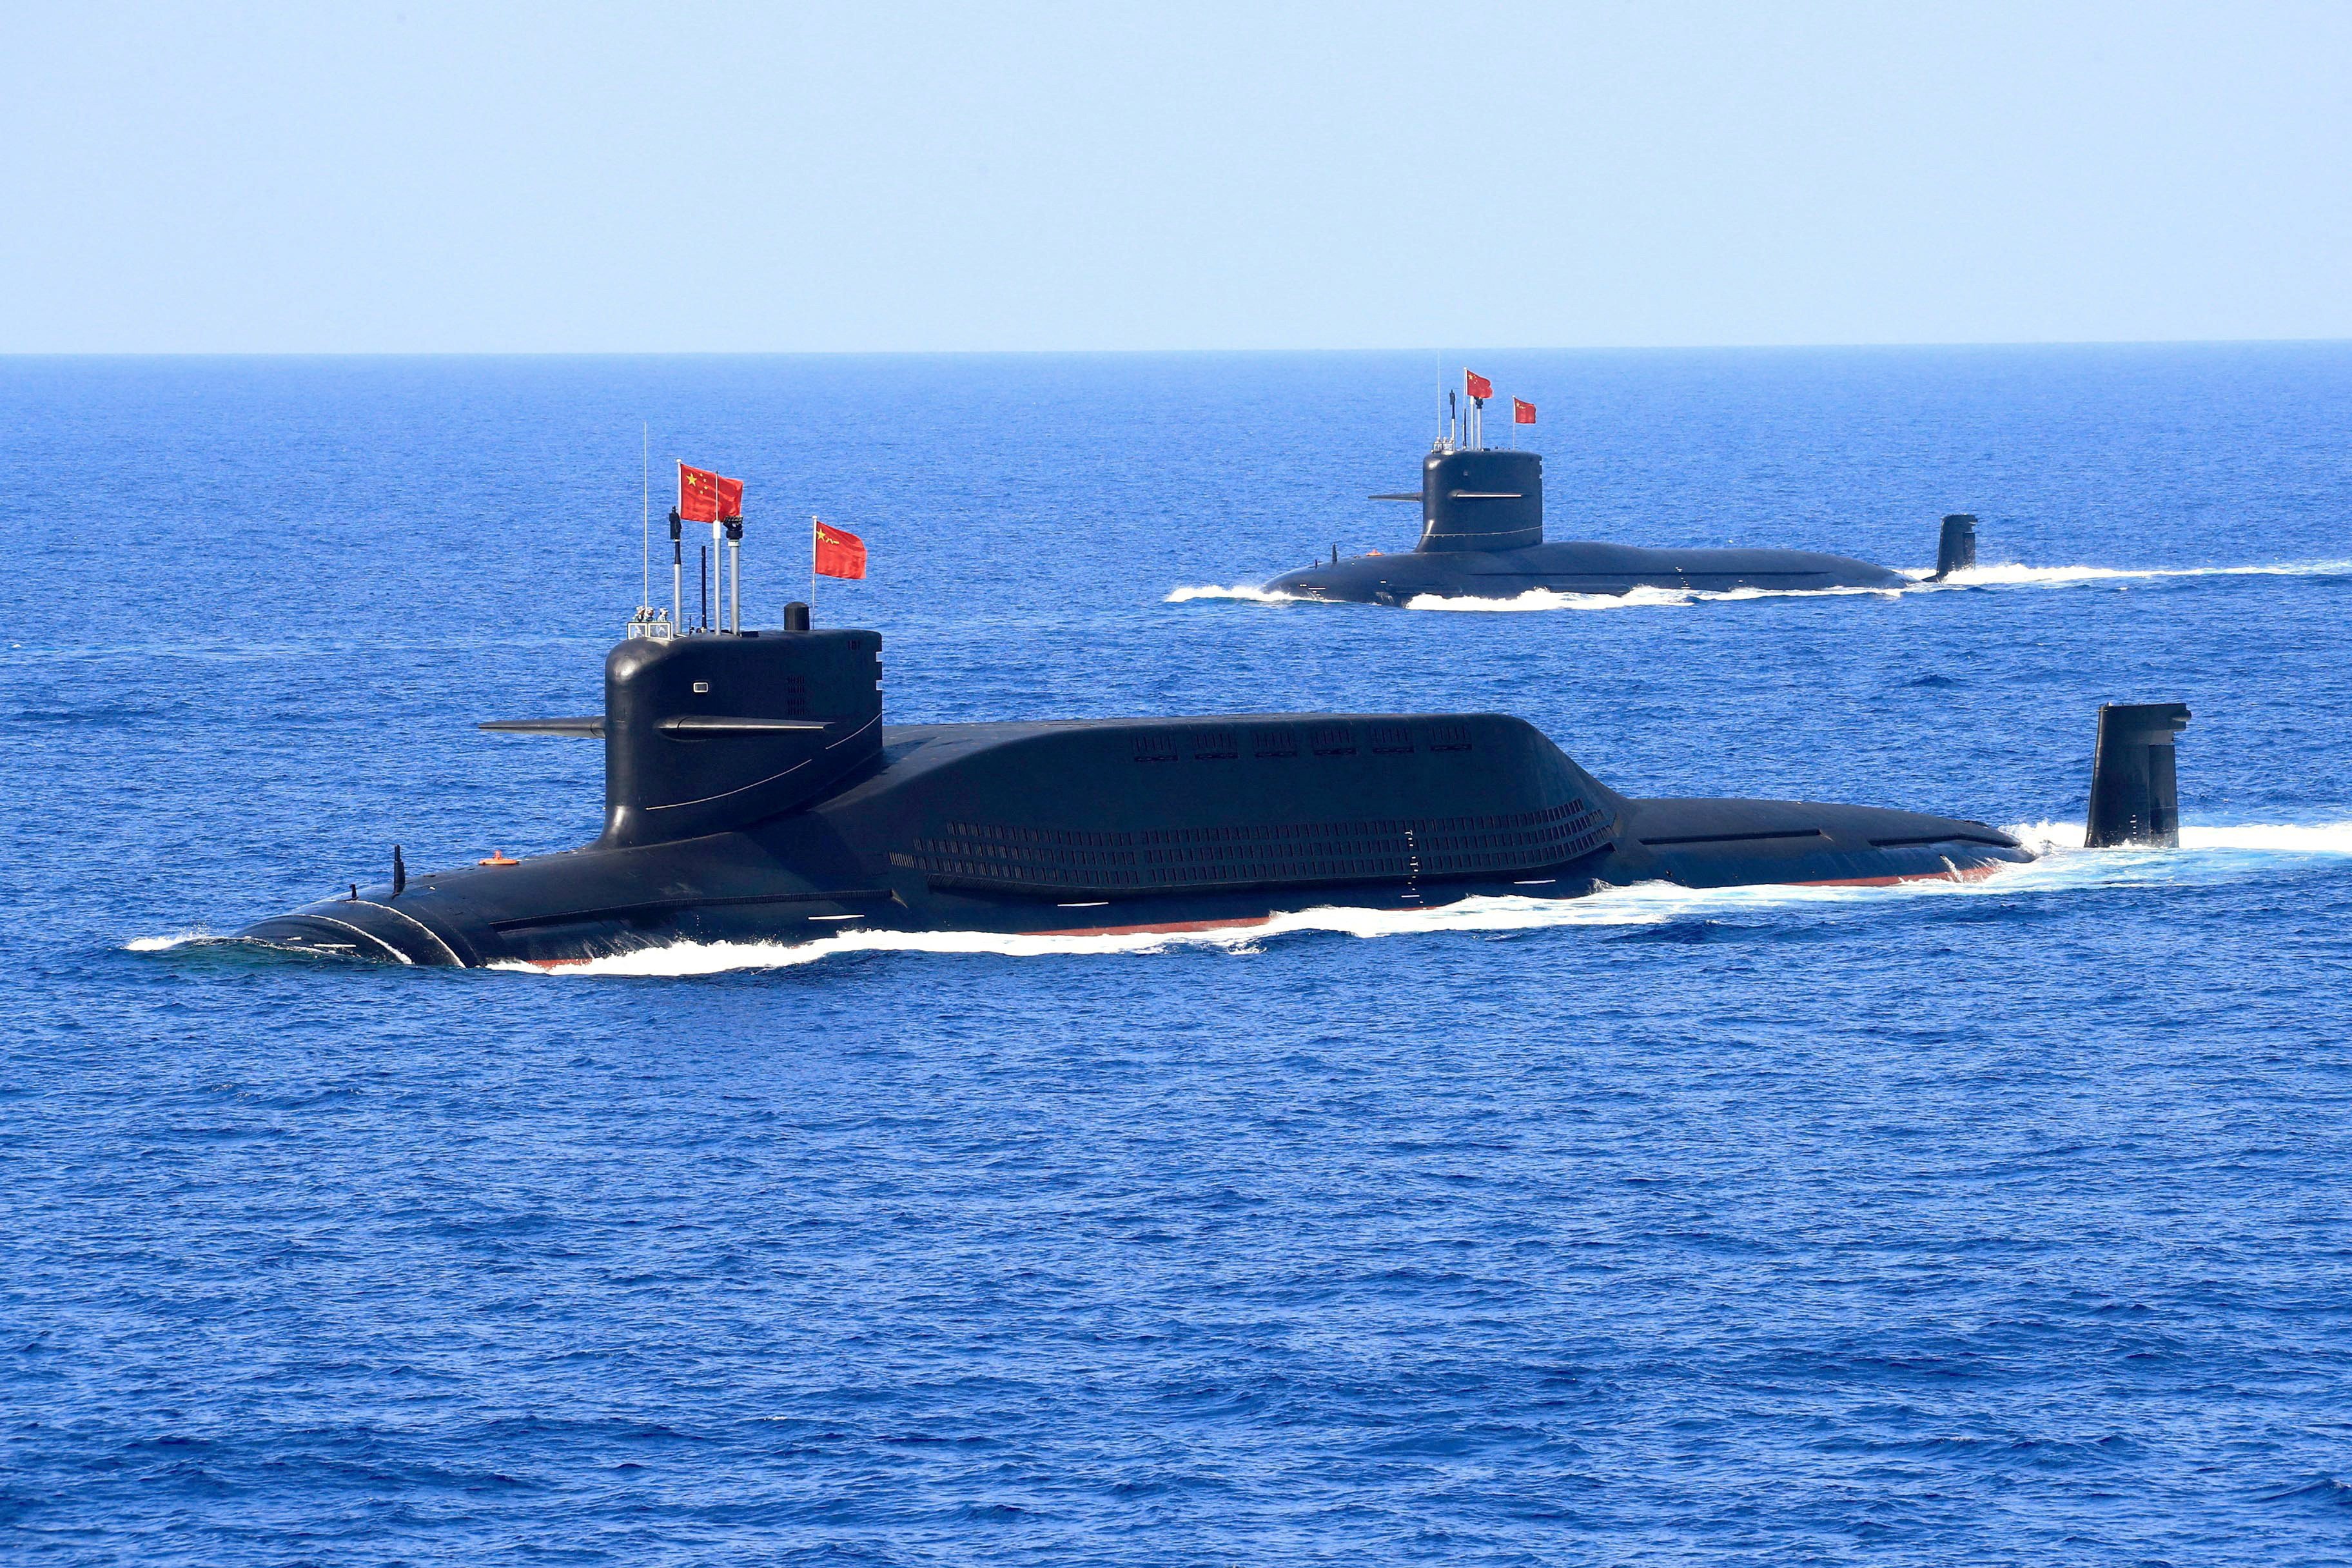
x=1957, y=550
x=2134, y=794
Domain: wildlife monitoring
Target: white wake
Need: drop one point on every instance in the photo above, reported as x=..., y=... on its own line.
x=2206, y=854
x=2008, y=576
x=165, y=944
x=1651, y=903
x=1241, y=591
x=2261, y=838
x=1635, y=598
x=2068, y=577
x=1997, y=576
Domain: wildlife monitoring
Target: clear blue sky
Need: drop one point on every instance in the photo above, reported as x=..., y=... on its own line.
x=417, y=177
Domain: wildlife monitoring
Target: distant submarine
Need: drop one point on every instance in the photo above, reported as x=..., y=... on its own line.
x=754, y=794
x=1482, y=537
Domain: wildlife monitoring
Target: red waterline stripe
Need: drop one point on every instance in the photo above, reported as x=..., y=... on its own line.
x=1958, y=873
x=1171, y=926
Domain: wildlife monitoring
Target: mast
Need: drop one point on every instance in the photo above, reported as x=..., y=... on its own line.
x=735, y=575
x=676, y=574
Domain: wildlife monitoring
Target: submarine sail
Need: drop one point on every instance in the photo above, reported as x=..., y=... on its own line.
x=1482, y=537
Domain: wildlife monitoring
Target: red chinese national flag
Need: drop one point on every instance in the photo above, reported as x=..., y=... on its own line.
x=1478, y=384
x=1522, y=411
x=839, y=552
x=704, y=497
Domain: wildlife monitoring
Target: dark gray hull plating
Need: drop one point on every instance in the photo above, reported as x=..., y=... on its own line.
x=1142, y=825
x=1482, y=537
x=1575, y=567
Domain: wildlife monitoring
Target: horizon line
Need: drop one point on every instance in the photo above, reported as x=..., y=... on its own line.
x=1858, y=347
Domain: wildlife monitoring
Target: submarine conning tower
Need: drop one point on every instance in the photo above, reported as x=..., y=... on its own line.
x=1480, y=498
x=704, y=734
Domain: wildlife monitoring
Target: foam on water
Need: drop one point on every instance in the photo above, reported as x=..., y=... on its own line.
x=1649, y=904
x=1241, y=591
x=165, y=944
x=1633, y=598
x=1994, y=576
x=2264, y=840
x=2205, y=855
x=1999, y=576
x=2012, y=575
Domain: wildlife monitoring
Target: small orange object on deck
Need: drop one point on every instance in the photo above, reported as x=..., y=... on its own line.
x=498, y=858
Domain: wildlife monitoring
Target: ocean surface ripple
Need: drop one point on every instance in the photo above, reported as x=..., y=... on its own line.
x=1957, y=1223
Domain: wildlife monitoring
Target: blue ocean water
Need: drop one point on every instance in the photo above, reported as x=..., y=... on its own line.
x=1995, y=1224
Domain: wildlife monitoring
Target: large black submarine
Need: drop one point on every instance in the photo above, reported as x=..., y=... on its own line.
x=754, y=794
x=1482, y=537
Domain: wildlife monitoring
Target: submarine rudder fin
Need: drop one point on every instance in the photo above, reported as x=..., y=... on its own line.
x=1956, y=548
x=2135, y=788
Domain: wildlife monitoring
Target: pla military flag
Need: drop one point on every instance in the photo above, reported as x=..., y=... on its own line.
x=704, y=497
x=1522, y=411
x=1478, y=385
x=839, y=552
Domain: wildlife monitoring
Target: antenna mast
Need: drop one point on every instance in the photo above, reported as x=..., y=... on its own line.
x=735, y=575
x=646, y=521
x=676, y=570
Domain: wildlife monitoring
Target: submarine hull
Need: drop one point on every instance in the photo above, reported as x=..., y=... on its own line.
x=1137, y=826
x=1576, y=567
x=1482, y=537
